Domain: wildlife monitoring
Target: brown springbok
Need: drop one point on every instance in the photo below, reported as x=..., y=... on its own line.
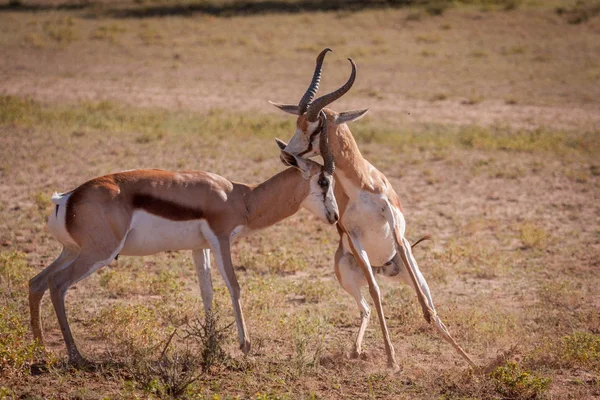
x=145, y=212
x=371, y=224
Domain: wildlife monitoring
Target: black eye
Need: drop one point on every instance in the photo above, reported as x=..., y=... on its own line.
x=323, y=182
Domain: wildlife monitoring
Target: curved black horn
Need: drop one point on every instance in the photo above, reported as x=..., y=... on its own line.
x=328, y=163
x=314, y=84
x=316, y=106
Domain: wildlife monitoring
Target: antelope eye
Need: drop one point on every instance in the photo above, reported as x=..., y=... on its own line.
x=323, y=182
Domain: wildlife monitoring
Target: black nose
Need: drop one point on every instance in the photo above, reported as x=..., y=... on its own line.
x=336, y=217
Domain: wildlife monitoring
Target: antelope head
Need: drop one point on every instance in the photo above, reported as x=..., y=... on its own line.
x=320, y=199
x=310, y=137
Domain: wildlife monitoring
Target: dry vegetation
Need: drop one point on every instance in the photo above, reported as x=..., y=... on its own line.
x=498, y=160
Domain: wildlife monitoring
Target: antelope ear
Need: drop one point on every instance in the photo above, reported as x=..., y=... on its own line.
x=288, y=159
x=297, y=162
x=288, y=108
x=282, y=145
x=349, y=116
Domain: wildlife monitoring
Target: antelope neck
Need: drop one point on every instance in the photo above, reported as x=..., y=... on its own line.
x=276, y=199
x=350, y=165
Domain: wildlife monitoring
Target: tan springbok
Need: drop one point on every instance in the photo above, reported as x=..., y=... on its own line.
x=144, y=212
x=371, y=224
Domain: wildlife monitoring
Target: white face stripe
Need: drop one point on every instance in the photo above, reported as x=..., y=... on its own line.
x=300, y=144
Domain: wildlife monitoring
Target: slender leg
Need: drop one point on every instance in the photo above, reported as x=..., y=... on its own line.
x=363, y=259
x=420, y=284
x=202, y=263
x=38, y=286
x=222, y=251
x=86, y=263
x=351, y=278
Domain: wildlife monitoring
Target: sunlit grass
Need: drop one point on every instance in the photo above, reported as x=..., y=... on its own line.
x=152, y=124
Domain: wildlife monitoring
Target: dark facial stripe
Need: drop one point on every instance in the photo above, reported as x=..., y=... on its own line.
x=165, y=208
x=321, y=176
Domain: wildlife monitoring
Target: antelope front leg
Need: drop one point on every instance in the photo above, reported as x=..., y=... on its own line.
x=202, y=264
x=363, y=260
x=222, y=250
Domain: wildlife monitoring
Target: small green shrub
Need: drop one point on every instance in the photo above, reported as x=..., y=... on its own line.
x=581, y=349
x=15, y=272
x=514, y=382
x=17, y=352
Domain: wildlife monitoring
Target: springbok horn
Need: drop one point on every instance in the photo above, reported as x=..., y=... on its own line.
x=314, y=84
x=316, y=106
x=328, y=163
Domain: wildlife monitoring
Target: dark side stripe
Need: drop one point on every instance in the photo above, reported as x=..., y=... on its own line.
x=165, y=208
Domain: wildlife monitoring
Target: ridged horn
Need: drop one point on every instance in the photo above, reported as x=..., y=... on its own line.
x=316, y=106
x=328, y=163
x=314, y=84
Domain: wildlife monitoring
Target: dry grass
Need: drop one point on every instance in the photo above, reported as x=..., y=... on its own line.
x=510, y=198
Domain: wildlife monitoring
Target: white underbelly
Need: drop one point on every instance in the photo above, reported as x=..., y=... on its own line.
x=376, y=237
x=150, y=234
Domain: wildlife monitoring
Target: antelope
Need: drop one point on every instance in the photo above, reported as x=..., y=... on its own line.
x=144, y=212
x=372, y=225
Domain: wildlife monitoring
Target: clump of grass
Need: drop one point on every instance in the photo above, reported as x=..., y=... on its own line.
x=581, y=349
x=17, y=351
x=166, y=284
x=108, y=32
x=427, y=53
x=62, y=30
x=560, y=294
x=472, y=100
x=15, y=272
x=439, y=97
x=469, y=258
x=428, y=39
x=511, y=172
x=514, y=382
x=150, y=35
x=478, y=54
x=130, y=330
x=308, y=336
x=148, y=138
x=578, y=350
x=533, y=236
x=513, y=50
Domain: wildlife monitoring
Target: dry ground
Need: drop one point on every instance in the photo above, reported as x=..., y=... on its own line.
x=498, y=160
